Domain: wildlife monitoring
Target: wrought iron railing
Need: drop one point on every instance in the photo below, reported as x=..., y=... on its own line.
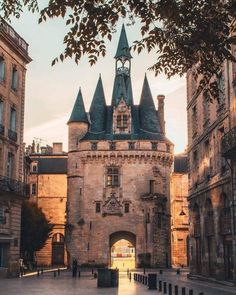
x=229, y=143
x=12, y=135
x=11, y=33
x=2, y=129
x=13, y=186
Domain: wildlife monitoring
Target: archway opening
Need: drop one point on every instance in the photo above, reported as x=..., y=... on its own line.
x=58, y=249
x=123, y=255
x=122, y=250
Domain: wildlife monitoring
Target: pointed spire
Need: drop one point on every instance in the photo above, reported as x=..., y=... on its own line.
x=123, y=45
x=78, y=113
x=148, y=114
x=98, y=108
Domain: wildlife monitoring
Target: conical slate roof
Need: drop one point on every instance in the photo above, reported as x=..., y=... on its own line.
x=78, y=113
x=123, y=45
x=148, y=115
x=98, y=109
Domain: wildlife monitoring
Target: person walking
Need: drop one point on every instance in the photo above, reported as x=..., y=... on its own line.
x=74, y=268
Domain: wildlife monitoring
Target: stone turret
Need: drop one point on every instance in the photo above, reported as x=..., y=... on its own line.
x=78, y=122
x=161, y=105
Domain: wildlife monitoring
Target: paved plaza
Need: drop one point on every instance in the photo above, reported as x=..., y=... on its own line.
x=87, y=285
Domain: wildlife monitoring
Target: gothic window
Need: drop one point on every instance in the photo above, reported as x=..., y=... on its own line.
x=94, y=146
x=131, y=145
x=126, y=207
x=2, y=69
x=14, y=79
x=112, y=146
x=154, y=146
x=112, y=176
x=33, y=189
x=98, y=207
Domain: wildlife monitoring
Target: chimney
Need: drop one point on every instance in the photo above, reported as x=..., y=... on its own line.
x=57, y=148
x=161, y=105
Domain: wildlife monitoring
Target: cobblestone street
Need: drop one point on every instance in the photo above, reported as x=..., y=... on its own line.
x=86, y=285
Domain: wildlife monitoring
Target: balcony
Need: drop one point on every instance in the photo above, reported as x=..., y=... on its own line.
x=209, y=226
x=13, y=186
x=12, y=135
x=225, y=225
x=2, y=129
x=11, y=33
x=229, y=144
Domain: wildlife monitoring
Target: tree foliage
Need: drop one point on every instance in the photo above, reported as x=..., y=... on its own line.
x=35, y=229
x=181, y=33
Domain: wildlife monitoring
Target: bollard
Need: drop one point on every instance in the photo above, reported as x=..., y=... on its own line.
x=79, y=273
x=178, y=271
x=92, y=270
x=176, y=290
x=183, y=291
x=95, y=275
x=144, y=270
x=54, y=273
x=143, y=280
x=152, y=281
x=38, y=273
x=190, y=292
x=160, y=286
x=170, y=289
x=165, y=287
x=161, y=271
x=58, y=271
x=130, y=276
x=134, y=276
x=41, y=271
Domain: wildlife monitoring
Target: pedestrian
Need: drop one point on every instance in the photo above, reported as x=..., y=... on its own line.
x=74, y=268
x=21, y=267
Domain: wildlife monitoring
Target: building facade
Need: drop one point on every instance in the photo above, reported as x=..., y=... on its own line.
x=119, y=165
x=48, y=188
x=211, y=201
x=13, y=60
x=179, y=212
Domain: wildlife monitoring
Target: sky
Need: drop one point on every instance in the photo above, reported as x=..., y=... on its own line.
x=51, y=91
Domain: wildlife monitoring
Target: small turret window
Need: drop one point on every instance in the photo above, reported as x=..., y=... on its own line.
x=122, y=121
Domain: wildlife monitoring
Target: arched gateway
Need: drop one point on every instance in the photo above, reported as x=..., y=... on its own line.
x=122, y=250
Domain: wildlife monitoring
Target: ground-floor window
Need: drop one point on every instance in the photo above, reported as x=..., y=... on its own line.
x=3, y=254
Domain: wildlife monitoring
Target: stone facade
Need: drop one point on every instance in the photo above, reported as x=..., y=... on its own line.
x=119, y=165
x=212, y=216
x=13, y=60
x=48, y=188
x=179, y=212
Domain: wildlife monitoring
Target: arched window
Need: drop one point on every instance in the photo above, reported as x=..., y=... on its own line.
x=225, y=216
x=2, y=69
x=58, y=238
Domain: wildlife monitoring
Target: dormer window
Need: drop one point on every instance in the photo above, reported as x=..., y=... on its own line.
x=122, y=117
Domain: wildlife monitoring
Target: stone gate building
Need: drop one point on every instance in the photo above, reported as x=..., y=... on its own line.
x=119, y=164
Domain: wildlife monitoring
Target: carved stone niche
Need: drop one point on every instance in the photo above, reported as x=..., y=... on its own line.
x=112, y=206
